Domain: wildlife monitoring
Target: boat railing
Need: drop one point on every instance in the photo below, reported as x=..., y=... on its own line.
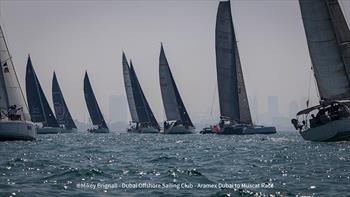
x=320, y=115
x=18, y=115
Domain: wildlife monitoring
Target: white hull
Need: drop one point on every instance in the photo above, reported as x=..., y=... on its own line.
x=49, y=130
x=337, y=130
x=17, y=130
x=179, y=129
x=102, y=130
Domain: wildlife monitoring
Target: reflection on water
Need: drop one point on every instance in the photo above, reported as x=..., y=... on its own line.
x=179, y=165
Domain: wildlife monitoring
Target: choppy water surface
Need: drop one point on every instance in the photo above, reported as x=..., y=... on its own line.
x=84, y=164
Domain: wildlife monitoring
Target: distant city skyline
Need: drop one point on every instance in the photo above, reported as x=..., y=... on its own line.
x=70, y=37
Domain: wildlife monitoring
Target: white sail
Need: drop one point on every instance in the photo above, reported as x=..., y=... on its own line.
x=328, y=40
x=12, y=87
x=128, y=89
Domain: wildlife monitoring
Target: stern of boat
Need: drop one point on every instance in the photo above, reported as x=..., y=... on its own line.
x=17, y=130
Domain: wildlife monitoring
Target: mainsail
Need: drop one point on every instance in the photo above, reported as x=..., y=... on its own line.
x=63, y=115
x=173, y=105
x=232, y=93
x=144, y=110
x=328, y=39
x=138, y=104
x=129, y=91
x=39, y=108
x=92, y=105
x=10, y=89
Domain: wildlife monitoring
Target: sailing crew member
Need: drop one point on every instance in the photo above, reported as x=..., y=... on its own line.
x=221, y=123
x=165, y=125
x=12, y=113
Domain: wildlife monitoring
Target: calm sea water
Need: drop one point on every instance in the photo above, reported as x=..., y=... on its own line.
x=84, y=164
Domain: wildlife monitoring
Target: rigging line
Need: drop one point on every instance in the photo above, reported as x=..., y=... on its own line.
x=316, y=87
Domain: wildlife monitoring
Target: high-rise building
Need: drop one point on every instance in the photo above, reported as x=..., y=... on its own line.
x=118, y=108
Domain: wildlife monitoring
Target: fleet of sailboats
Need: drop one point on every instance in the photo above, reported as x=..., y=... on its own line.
x=328, y=39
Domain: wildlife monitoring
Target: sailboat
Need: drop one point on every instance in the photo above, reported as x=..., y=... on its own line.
x=15, y=121
x=143, y=120
x=328, y=39
x=39, y=108
x=63, y=115
x=178, y=121
x=234, y=107
x=94, y=110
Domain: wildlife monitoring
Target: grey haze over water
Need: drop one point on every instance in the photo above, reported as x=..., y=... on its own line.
x=73, y=36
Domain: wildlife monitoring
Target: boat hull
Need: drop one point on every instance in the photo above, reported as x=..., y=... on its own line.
x=101, y=130
x=143, y=130
x=337, y=130
x=259, y=130
x=232, y=130
x=207, y=130
x=69, y=130
x=17, y=130
x=247, y=130
x=179, y=129
x=49, y=130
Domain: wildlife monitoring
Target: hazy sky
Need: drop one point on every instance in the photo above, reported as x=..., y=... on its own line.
x=73, y=36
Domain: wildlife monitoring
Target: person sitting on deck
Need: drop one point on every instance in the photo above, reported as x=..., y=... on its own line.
x=176, y=123
x=334, y=112
x=165, y=125
x=314, y=121
x=221, y=123
x=344, y=112
x=186, y=124
x=12, y=113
